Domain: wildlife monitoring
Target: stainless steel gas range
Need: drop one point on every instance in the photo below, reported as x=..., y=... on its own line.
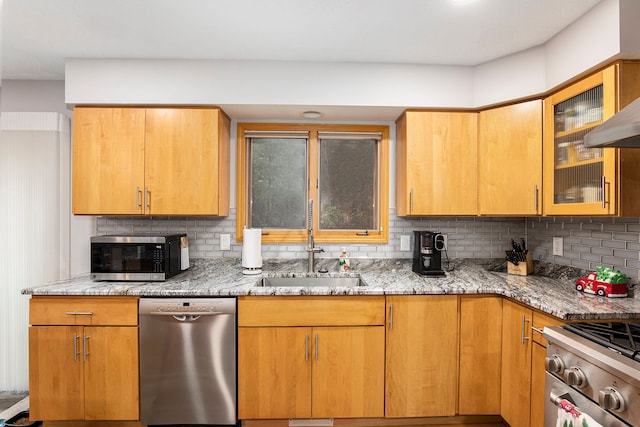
x=593, y=374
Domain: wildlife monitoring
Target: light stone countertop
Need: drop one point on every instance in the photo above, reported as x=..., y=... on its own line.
x=549, y=290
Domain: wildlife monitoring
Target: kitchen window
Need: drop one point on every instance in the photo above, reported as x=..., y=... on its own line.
x=342, y=168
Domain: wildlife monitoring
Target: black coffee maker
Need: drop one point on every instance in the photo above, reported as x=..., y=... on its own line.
x=427, y=253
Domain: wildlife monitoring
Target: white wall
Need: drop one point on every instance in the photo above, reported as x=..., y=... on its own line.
x=587, y=43
x=219, y=82
x=33, y=96
x=48, y=96
x=629, y=34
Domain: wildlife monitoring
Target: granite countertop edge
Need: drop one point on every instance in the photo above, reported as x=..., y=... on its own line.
x=549, y=290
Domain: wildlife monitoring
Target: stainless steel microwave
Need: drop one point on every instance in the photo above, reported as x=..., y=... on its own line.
x=138, y=257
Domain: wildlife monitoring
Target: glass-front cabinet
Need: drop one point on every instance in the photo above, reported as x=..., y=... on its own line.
x=580, y=180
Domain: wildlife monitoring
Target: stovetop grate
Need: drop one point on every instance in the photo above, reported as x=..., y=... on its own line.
x=623, y=337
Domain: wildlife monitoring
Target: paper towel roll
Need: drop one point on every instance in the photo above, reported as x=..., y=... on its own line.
x=252, y=250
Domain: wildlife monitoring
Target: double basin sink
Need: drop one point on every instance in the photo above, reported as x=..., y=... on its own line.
x=341, y=282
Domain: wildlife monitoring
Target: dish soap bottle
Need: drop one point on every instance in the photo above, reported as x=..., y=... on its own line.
x=343, y=262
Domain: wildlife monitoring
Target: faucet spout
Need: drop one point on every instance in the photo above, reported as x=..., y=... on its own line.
x=311, y=249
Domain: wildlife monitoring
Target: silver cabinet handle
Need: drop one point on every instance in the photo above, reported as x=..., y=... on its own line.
x=147, y=198
x=306, y=347
x=535, y=198
x=538, y=330
x=79, y=313
x=390, y=316
x=85, y=340
x=75, y=347
x=316, y=346
x=138, y=197
x=411, y=200
x=523, y=338
x=604, y=192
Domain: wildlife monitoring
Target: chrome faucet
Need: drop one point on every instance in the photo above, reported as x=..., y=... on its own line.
x=311, y=249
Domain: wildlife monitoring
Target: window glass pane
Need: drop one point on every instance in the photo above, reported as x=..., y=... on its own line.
x=348, y=189
x=278, y=176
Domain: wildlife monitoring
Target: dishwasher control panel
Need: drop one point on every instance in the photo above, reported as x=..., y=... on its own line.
x=188, y=305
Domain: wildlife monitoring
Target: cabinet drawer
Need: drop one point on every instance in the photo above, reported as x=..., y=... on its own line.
x=48, y=310
x=311, y=311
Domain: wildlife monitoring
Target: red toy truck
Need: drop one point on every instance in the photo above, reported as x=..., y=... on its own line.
x=593, y=285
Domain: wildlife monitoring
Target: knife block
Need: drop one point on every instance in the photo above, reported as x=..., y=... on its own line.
x=524, y=268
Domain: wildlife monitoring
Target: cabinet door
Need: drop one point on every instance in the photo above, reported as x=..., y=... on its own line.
x=56, y=379
x=580, y=181
x=108, y=161
x=181, y=161
x=274, y=372
x=537, y=385
x=111, y=373
x=516, y=364
x=510, y=160
x=348, y=372
x=436, y=171
x=480, y=355
x=422, y=356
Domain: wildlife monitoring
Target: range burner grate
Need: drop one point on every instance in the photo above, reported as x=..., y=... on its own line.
x=623, y=337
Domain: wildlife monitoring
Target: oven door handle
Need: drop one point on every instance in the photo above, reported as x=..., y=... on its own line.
x=555, y=396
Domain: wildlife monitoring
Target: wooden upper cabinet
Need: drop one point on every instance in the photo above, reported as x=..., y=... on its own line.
x=187, y=161
x=154, y=161
x=436, y=163
x=108, y=161
x=510, y=160
x=595, y=181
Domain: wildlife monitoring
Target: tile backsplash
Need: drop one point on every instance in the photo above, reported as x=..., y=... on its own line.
x=587, y=241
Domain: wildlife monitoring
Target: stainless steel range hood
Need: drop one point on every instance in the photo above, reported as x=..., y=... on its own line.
x=621, y=131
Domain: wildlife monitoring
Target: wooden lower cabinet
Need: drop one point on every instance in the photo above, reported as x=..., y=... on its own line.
x=82, y=371
x=537, y=385
x=296, y=362
x=274, y=373
x=480, y=355
x=348, y=372
x=538, y=372
x=523, y=349
x=516, y=364
x=422, y=356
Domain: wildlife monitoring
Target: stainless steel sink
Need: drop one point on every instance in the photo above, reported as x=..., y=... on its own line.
x=311, y=281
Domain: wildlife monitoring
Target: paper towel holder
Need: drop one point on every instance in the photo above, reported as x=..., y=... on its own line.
x=251, y=251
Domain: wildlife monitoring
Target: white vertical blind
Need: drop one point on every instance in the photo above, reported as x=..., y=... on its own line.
x=34, y=225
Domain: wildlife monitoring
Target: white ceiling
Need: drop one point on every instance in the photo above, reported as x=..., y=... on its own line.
x=37, y=35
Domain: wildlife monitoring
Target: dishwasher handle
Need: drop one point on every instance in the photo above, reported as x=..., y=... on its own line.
x=189, y=316
x=185, y=313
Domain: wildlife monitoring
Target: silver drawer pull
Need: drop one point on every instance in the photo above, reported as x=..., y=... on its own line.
x=79, y=313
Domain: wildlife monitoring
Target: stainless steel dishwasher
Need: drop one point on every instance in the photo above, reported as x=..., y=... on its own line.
x=188, y=361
